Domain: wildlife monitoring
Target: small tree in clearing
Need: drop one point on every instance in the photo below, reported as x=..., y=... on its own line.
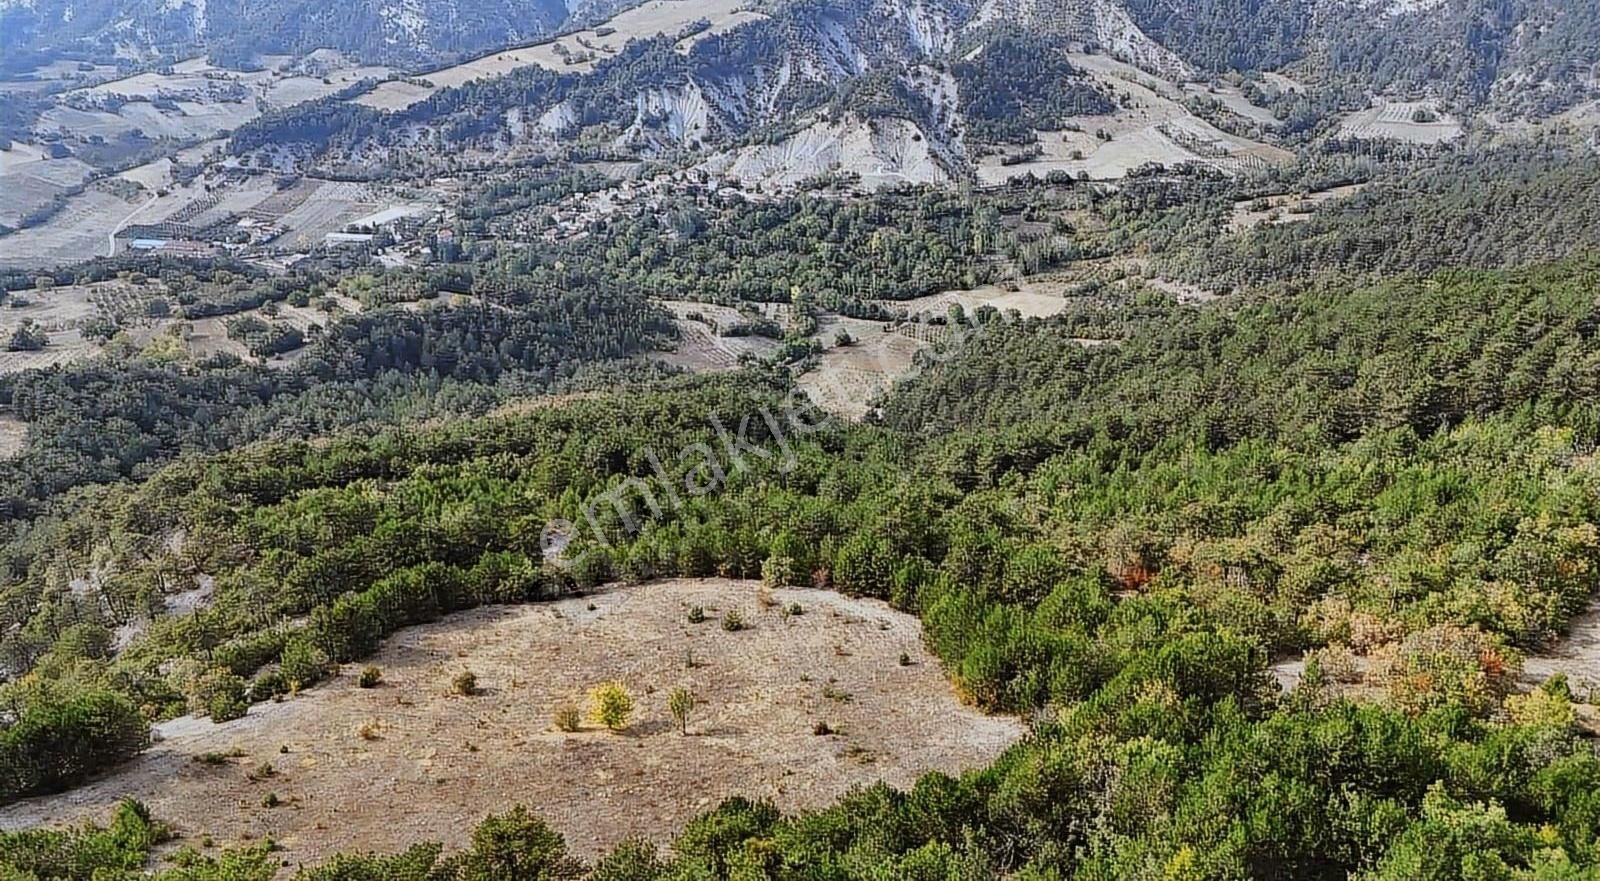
x=680, y=703
x=611, y=705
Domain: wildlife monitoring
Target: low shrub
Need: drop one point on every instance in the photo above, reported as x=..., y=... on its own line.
x=567, y=717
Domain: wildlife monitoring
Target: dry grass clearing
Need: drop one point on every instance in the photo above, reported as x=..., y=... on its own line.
x=432, y=763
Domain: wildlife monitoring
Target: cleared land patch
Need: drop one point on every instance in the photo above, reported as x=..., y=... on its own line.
x=13, y=435
x=437, y=762
x=1416, y=122
x=65, y=347
x=848, y=379
x=702, y=349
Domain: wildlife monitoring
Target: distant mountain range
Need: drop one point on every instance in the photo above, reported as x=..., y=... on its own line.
x=1539, y=54
x=887, y=90
x=933, y=91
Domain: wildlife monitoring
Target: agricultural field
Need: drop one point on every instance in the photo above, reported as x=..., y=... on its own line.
x=80, y=229
x=849, y=379
x=209, y=336
x=720, y=25
x=1416, y=122
x=29, y=181
x=701, y=349
x=395, y=95
x=1236, y=103
x=157, y=175
x=192, y=120
x=297, y=217
x=55, y=309
x=204, y=337
x=1282, y=83
x=376, y=769
x=701, y=344
x=65, y=347
x=282, y=80
x=1039, y=297
x=324, y=207
x=58, y=73
x=1151, y=126
x=64, y=311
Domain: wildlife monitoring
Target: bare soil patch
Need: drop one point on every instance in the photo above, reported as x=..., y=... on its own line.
x=701, y=349
x=1577, y=656
x=437, y=762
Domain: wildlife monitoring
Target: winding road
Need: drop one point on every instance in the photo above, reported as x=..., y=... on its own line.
x=111, y=237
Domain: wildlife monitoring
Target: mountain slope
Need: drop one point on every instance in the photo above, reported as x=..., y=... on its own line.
x=390, y=31
x=1538, y=56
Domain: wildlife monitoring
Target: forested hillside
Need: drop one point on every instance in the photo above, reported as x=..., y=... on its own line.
x=1400, y=472
x=107, y=419
x=1465, y=51
x=1199, y=396
x=1491, y=209
x=1323, y=366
